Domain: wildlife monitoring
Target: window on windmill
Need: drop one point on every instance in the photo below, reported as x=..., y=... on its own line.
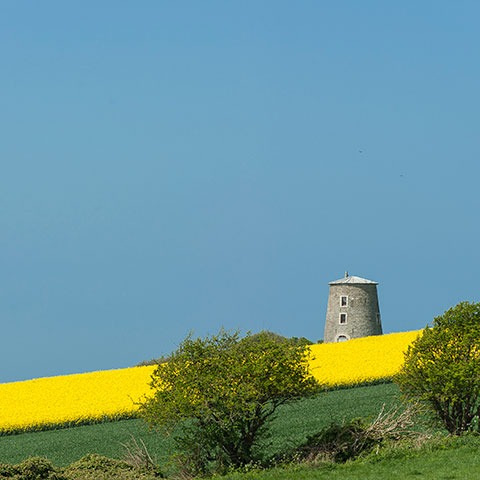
x=343, y=318
x=342, y=338
x=343, y=301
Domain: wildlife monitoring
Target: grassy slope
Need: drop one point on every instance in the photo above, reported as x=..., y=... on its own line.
x=455, y=459
x=293, y=424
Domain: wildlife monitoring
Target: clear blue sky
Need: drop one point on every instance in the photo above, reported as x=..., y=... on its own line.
x=178, y=166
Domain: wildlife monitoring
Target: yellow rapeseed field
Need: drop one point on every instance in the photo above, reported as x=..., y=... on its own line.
x=90, y=397
x=361, y=360
x=80, y=398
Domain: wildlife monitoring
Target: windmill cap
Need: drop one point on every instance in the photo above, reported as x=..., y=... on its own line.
x=353, y=280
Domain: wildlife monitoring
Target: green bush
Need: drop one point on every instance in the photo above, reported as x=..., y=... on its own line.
x=34, y=468
x=7, y=471
x=442, y=369
x=338, y=442
x=98, y=467
x=219, y=394
x=90, y=467
x=273, y=336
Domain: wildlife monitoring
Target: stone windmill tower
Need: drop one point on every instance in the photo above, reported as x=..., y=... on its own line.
x=352, y=310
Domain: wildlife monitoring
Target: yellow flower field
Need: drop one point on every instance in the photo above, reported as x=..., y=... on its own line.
x=80, y=398
x=89, y=397
x=361, y=360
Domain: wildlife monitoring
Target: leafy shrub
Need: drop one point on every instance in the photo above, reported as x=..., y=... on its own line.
x=344, y=441
x=275, y=337
x=272, y=335
x=34, y=468
x=98, y=467
x=93, y=462
x=91, y=467
x=338, y=442
x=442, y=369
x=7, y=471
x=153, y=361
x=219, y=394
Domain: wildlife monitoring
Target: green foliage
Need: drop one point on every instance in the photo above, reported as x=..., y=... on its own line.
x=338, y=442
x=302, y=341
x=34, y=468
x=435, y=459
x=273, y=336
x=219, y=395
x=291, y=427
x=153, y=361
x=98, y=467
x=442, y=369
x=346, y=440
x=95, y=463
x=91, y=467
x=7, y=471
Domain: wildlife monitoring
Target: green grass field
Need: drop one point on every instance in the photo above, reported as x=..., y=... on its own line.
x=440, y=459
x=293, y=425
x=452, y=459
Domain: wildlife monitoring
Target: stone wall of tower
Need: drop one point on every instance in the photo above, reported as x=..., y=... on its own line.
x=363, y=313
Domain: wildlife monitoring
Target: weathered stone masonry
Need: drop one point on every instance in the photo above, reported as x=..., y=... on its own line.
x=357, y=314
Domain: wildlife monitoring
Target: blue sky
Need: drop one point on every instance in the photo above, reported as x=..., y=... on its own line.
x=169, y=167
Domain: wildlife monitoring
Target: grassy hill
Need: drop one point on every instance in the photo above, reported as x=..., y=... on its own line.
x=443, y=458
x=93, y=397
x=292, y=426
x=454, y=458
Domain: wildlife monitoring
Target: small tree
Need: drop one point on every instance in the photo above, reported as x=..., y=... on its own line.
x=442, y=368
x=219, y=394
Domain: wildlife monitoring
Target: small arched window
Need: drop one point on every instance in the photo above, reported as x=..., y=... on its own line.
x=342, y=338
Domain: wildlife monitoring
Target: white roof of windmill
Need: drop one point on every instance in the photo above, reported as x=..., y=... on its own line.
x=353, y=280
